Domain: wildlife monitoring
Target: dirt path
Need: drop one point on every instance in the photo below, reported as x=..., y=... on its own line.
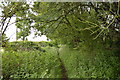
x=63, y=69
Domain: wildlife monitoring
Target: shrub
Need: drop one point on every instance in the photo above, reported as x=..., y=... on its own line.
x=32, y=64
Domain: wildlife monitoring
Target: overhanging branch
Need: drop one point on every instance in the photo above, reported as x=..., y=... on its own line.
x=6, y=26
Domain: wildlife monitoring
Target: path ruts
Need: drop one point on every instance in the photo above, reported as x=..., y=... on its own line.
x=63, y=69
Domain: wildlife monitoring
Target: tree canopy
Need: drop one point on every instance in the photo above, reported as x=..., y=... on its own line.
x=68, y=22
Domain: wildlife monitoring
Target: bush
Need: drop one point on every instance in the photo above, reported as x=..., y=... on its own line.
x=29, y=45
x=32, y=64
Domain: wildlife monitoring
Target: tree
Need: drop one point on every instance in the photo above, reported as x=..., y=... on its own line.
x=9, y=10
x=70, y=22
x=75, y=22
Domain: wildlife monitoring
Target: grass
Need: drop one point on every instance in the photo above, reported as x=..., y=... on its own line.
x=32, y=64
x=79, y=63
x=82, y=64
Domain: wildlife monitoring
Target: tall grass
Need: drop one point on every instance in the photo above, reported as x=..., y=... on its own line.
x=98, y=63
x=25, y=61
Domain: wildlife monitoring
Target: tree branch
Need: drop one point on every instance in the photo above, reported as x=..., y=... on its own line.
x=6, y=26
x=3, y=22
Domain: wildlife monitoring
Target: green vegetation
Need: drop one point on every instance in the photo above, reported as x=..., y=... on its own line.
x=84, y=40
x=29, y=63
x=95, y=64
x=44, y=62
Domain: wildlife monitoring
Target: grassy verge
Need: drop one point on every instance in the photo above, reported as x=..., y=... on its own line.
x=31, y=60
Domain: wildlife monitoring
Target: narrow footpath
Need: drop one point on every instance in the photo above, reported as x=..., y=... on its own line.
x=63, y=69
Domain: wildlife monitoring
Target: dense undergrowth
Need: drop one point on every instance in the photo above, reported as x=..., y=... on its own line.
x=41, y=60
x=30, y=60
x=95, y=64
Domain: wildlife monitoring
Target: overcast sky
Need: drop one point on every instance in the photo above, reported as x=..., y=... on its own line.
x=11, y=33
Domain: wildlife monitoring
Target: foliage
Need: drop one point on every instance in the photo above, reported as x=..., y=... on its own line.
x=32, y=64
x=9, y=10
x=90, y=29
x=72, y=23
x=4, y=41
x=96, y=63
x=67, y=23
x=29, y=45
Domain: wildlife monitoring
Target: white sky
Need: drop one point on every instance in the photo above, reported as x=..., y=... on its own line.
x=11, y=32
